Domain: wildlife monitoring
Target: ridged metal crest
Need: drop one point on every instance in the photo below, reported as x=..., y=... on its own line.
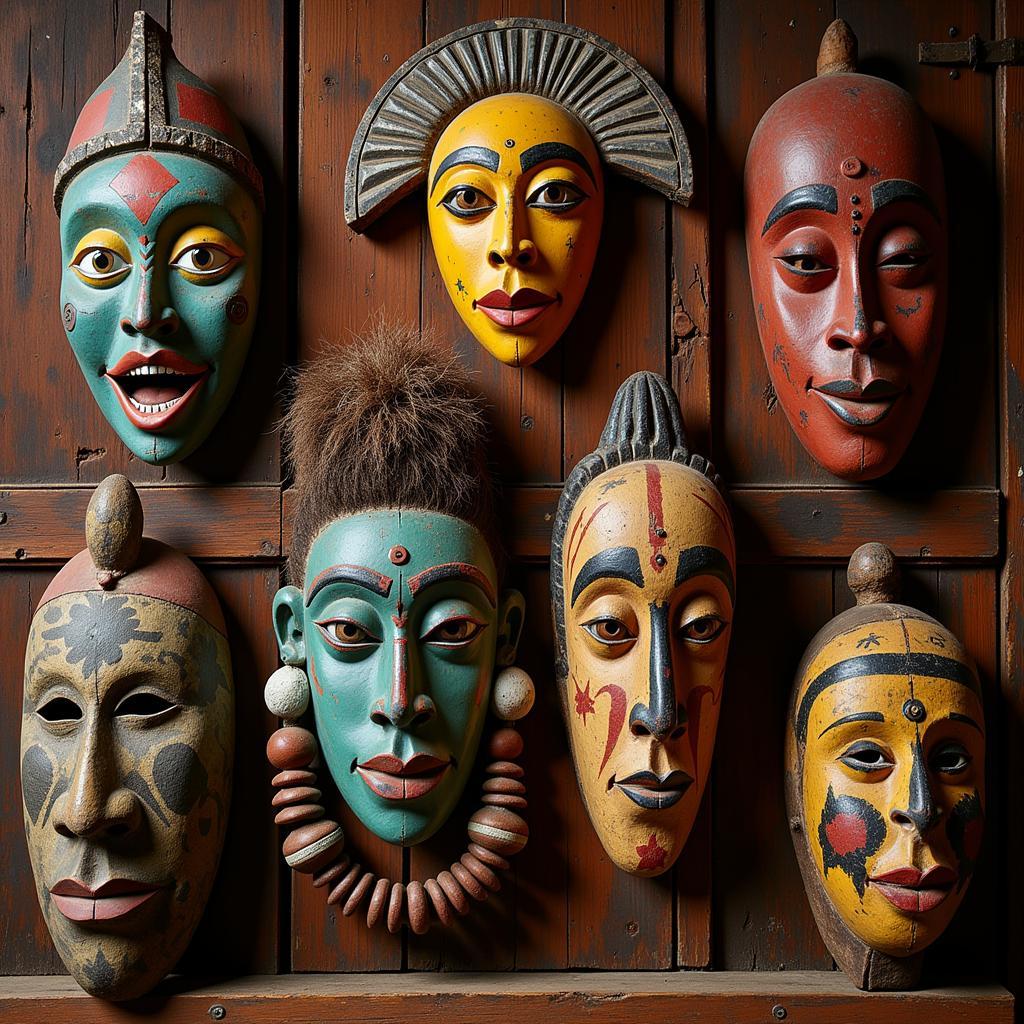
x=628, y=115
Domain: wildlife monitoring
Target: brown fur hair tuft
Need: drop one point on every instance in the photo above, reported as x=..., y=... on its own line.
x=389, y=421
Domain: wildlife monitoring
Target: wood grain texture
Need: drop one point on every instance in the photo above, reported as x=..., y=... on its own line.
x=562, y=998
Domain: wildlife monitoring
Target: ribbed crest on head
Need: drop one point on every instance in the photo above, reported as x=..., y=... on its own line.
x=388, y=421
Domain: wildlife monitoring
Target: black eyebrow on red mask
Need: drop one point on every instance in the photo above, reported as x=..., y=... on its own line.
x=612, y=564
x=896, y=190
x=481, y=156
x=360, y=575
x=806, y=197
x=554, y=151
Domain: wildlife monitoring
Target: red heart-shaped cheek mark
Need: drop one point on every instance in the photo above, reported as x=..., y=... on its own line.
x=846, y=833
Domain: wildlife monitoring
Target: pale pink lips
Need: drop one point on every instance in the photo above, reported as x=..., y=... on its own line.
x=112, y=900
x=913, y=891
x=516, y=310
x=394, y=779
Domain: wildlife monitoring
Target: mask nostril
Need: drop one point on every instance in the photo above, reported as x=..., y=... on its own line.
x=639, y=729
x=495, y=258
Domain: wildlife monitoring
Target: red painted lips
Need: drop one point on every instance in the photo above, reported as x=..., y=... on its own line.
x=154, y=389
x=913, y=891
x=112, y=900
x=516, y=310
x=394, y=779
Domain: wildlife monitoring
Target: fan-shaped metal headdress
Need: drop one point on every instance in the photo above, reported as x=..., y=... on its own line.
x=627, y=113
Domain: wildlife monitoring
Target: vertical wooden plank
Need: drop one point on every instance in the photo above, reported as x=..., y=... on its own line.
x=210, y=39
x=762, y=920
x=25, y=946
x=691, y=363
x=526, y=402
x=1010, y=164
x=347, y=52
x=617, y=920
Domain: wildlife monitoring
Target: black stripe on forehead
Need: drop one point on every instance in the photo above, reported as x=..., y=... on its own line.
x=806, y=197
x=896, y=189
x=702, y=560
x=479, y=155
x=554, y=151
x=913, y=664
x=610, y=564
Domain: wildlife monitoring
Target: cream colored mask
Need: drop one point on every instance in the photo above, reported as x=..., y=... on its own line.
x=643, y=590
x=126, y=751
x=515, y=192
x=885, y=778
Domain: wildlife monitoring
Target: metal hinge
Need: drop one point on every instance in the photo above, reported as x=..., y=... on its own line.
x=974, y=52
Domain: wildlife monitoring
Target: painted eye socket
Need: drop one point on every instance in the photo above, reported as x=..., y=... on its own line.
x=466, y=201
x=204, y=260
x=609, y=631
x=60, y=709
x=143, y=705
x=556, y=196
x=458, y=632
x=703, y=630
x=866, y=757
x=347, y=635
x=99, y=264
x=906, y=260
x=951, y=759
x=804, y=263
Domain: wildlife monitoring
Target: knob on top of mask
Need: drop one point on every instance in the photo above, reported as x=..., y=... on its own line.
x=838, y=50
x=873, y=575
x=113, y=529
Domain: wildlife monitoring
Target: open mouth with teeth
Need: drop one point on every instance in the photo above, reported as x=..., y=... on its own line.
x=153, y=390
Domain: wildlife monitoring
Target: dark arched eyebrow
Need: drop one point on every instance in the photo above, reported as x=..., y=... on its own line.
x=480, y=156
x=895, y=190
x=702, y=560
x=859, y=716
x=462, y=571
x=955, y=716
x=611, y=564
x=359, y=575
x=554, y=151
x=806, y=197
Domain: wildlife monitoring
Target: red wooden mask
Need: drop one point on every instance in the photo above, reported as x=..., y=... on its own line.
x=846, y=243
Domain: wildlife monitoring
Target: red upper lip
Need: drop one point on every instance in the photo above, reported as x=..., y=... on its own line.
x=114, y=887
x=162, y=357
x=937, y=877
x=418, y=764
x=524, y=298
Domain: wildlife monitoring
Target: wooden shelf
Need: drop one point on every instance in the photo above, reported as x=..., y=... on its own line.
x=797, y=997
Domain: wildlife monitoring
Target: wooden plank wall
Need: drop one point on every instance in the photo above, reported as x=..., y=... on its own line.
x=670, y=293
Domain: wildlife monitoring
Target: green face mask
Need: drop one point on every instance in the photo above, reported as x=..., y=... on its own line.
x=160, y=278
x=399, y=626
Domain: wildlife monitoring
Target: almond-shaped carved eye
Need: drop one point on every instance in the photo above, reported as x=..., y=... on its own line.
x=204, y=259
x=805, y=263
x=99, y=265
x=950, y=759
x=455, y=632
x=704, y=629
x=866, y=757
x=143, y=705
x=610, y=631
x=466, y=201
x=60, y=709
x=347, y=635
x=556, y=196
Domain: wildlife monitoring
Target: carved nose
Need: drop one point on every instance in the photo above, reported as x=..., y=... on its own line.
x=524, y=255
x=662, y=716
x=152, y=327
x=921, y=812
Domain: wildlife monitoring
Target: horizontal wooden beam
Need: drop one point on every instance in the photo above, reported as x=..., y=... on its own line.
x=733, y=997
x=47, y=524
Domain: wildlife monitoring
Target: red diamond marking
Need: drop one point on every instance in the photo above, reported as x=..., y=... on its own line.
x=203, y=108
x=142, y=183
x=92, y=118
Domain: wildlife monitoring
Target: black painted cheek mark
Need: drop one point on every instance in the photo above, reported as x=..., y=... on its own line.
x=180, y=777
x=138, y=785
x=58, y=791
x=36, y=780
x=963, y=829
x=100, y=974
x=850, y=831
x=909, y=311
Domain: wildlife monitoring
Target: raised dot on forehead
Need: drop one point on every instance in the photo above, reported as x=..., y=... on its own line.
x=914, y=710
x=399, y=555
x=851, y=167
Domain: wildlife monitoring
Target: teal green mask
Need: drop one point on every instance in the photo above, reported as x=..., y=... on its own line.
x=400, y=626
x=161, y=260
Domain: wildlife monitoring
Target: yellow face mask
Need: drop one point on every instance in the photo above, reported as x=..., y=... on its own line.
x=515, y=199
x=648, y=564
x=892, y=777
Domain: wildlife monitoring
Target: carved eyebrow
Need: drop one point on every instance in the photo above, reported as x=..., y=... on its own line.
x=806, y=197
x=554, y=151
x=702, y=560
x=463, y=571
x=860, y=716
x=360, y=575
x=895, y=190
x=612, y=564
x=954, y=716
x=481, y=156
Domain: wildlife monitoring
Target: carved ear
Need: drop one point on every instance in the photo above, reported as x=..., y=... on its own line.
x=511, y=616
x=289, y=625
